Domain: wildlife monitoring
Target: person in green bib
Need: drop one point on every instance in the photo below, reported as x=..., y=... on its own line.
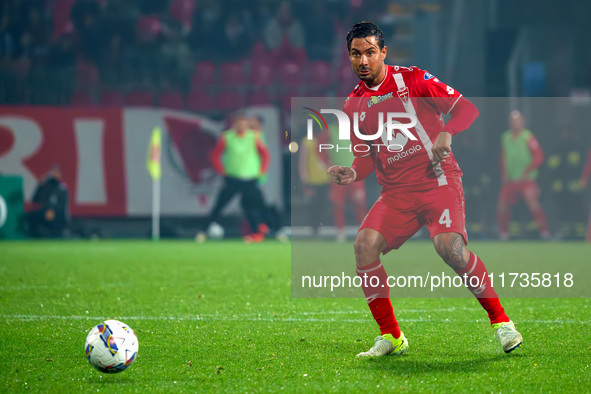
x=521, y=156
x=339, y=194
x=242, y=158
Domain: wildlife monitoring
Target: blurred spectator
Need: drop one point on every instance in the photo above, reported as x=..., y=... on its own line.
x=340, y=194
x=49, y=214
x=261, y=16
x=222, y=36
x=284, y=29
x=32, y=35
x=237, y=40
x=521, y=156
x=182, y=11
x=6, y=33
x=312, y=168
x=208, y=30
x=178, y=61
x=113, y=61
x=86, y=17
x=58, y=71
x=320, y=32
x=121, y=17
x=62, y=55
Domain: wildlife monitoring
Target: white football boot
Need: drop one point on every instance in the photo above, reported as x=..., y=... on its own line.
x=387, y=344
x=510, y=338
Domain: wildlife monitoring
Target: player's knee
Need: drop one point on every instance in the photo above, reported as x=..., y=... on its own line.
x=366, y=251
x=362, y=246
x=450, y=247
x=441, y=248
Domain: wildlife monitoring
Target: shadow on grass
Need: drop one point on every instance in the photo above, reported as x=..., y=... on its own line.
x=110, y=379
x=408, y=364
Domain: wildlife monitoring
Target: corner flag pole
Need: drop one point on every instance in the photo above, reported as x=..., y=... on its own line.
x=155, y=209
x=153, y=164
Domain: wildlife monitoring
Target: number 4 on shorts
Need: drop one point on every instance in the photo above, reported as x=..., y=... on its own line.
x=445, y=219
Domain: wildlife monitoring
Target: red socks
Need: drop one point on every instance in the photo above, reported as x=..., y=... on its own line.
x=504, y=217
x=483, y=291
x=378, y=298
x=540, y=218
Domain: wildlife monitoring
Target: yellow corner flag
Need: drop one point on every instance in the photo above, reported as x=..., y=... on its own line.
x=154, y=154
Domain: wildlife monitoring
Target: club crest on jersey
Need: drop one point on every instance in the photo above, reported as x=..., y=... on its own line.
x=427, y=76
x=403, y=94
x=378, y=99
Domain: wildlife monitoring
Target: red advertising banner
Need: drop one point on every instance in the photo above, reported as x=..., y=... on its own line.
x=32, y=140
x=101, y=154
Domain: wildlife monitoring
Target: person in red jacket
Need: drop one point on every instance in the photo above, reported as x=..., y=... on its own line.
x=521, y=156
x=583, y=182
x=241, y=157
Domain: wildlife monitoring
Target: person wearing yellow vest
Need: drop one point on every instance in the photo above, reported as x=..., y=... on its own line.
x=242, y=158
x=521, y=156
x=339, y=194
x=312, y=169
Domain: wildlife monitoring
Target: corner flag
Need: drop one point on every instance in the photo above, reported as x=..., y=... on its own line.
x=154, y=166
x=154, y=154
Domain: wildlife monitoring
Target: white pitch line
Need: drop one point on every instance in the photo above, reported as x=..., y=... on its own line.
x=398, y=310
x=217, y=318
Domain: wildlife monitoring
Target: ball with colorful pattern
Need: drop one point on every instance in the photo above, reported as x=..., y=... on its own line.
x=111, y=346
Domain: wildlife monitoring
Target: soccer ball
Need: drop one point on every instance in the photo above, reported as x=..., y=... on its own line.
x=215, y=231
x=111, y=346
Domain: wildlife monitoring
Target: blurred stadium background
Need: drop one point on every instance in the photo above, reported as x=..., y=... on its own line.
x=84, y=82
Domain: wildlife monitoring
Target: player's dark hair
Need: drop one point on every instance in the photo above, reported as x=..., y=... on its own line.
x=365, y=29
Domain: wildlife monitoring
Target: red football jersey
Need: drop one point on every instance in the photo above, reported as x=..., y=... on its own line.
x=408, y=166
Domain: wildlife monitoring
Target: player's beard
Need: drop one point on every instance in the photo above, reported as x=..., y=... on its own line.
x=370, y=77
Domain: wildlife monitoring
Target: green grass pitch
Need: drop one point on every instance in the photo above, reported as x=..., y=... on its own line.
x=220, y=317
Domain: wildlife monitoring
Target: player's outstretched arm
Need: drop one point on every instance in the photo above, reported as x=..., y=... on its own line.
x=342, y=175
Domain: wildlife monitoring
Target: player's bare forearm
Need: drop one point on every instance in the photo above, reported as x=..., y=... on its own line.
x=441, y=147
x=342, y=175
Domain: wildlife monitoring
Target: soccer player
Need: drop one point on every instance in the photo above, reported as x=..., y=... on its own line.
x=421, y=184
x=521, y=156
x=583, y=182
x=242, y=157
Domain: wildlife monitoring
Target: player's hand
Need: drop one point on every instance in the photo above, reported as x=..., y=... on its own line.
x=524, y=177
x=341, y=175
x=442, y=147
